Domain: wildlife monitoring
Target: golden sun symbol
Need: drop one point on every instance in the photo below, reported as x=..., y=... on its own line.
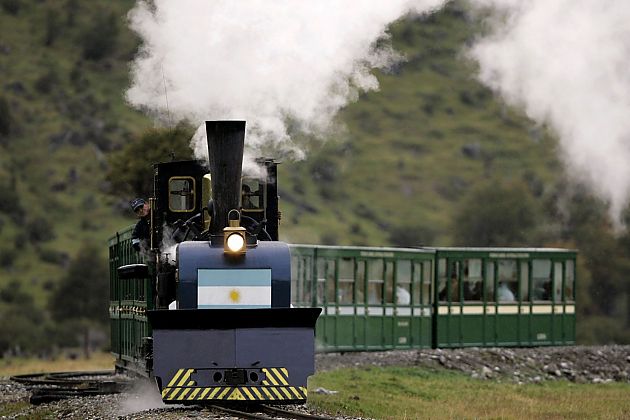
x=235, y=295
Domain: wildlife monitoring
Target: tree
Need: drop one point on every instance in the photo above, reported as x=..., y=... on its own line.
x=5, y=117
x=131, y=169
x=99, y=40
x=82, y=294
x=496, y=214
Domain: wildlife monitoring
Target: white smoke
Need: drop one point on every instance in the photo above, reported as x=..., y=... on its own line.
x=269, y=63
x=567, y=63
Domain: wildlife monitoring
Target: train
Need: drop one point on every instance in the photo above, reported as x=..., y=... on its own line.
x=213, y=319
x=204, y=308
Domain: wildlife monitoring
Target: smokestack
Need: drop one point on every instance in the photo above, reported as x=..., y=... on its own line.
x=226, y=140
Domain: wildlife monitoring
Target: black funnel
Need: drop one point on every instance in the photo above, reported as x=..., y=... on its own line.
x=226, y=140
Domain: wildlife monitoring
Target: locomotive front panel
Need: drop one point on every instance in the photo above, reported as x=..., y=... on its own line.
x=233, y=335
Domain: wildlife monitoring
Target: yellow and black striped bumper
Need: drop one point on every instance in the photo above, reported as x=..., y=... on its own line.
x=274, y=387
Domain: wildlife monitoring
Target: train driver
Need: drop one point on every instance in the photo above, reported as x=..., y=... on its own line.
x=141, y=231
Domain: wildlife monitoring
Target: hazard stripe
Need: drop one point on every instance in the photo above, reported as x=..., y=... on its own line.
x=247, y=393
x=183, y=394
x=258, y=394
x=185, y=377
x=179, y=372
x=275, y=391
x=267, y=393
x=284, y=390
x=213, y=393
x=174, y=393
x=194, y=393
x=296, y=392
x=235, y=393
x=203, y=394
x=276, y=376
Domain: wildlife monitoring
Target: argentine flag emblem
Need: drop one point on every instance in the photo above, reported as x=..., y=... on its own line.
x=248, y=288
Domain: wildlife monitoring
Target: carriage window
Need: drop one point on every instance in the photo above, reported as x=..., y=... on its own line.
x=321, y=280
x=301, y=280
x=557, y=281
x=403, y=282
x=330, y=282
x=294, y=279
x=375, y=282
x=508, y=282
x=490, y=281
x=417, y=282
x=541, y=280
x=442, y=279
x=181, y=193
x=569, y=280
x=427, y=280
x=346, y=280
x=473, y=280
x=389, y=282
x=524, y=281
x=360, y=282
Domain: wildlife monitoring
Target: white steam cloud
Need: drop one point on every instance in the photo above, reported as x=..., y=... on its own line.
x=269, y=63
x=297, y=63
x=567, y=63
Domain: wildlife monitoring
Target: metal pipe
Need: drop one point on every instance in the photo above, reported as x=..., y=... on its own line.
x=226, y=140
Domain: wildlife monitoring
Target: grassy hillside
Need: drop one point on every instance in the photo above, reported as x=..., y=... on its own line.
x=399, y=171
x=67, y=112
x=414, y=148
x=404, y=159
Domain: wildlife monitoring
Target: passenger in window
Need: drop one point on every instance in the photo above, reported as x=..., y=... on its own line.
x=141, y=232
x=504, y=294
x=472, y=290
x=246, y=201
x=402, y=296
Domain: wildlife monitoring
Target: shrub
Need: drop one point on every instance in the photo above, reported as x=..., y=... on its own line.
x=99, y=40
x=12, y=7
x=5, y=117
x=39, y=229
x=53, y=27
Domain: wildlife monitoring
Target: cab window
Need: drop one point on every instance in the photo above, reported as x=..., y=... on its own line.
x=181, y=194
x=252, y=195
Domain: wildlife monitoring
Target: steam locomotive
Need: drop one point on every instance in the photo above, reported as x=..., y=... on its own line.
x=205, y=309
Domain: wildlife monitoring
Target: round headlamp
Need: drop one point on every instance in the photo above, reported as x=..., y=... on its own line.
x=235, y=242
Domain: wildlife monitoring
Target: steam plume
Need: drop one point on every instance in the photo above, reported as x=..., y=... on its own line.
x=270, y=63
x=567, y=62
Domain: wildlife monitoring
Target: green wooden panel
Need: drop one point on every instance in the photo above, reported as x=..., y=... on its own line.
x=542, y=329
x=374, y=332
x=506, y=330
x=344, y=331
x=472, y=330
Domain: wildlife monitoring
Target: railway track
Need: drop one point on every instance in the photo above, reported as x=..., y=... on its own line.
x=55, y=386
x=254, y=412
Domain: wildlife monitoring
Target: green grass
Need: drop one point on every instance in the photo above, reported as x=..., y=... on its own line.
x=413, y=393
x=21, y=365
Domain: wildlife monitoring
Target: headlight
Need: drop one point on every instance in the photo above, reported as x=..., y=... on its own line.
x=235, y=242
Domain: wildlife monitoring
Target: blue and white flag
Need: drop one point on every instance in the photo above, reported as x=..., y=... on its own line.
x=248, y=288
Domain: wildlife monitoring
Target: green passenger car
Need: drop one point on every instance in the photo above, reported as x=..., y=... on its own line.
x=129, y=301
x=372, y=298
x=504, y=297
x=397, y=298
